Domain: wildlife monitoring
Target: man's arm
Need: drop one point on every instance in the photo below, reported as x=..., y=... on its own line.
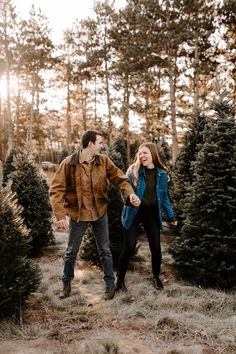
x=121, y=181
x=57, y=193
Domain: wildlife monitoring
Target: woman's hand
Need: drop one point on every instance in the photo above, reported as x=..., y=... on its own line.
x=62, y=224
x=134, y=200
x=173, y=223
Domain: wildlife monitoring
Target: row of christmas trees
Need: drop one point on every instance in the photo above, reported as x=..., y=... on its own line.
x=25, y=228
x=203, y=192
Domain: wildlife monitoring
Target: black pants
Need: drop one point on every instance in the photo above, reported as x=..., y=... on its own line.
x=149, y=218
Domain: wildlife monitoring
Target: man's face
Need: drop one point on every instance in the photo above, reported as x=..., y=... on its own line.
x=98, y=145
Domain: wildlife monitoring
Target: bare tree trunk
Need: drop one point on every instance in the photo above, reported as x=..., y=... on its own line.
x=108, y=96
x=148, y=127
x=171, y=52
x=126, y=114
x=84, y=106
x=30, y=127
x=173, y=119
x=95, y=103
x=196, y=71
x=68, y=112
x=9, y=118
x=17, y=119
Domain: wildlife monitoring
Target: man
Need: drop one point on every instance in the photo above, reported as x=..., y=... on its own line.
x=79, y=190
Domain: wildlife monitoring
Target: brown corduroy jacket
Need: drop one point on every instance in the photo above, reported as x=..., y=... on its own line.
x=65, y=189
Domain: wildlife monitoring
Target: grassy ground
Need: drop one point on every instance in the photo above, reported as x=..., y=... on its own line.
x=179, y=319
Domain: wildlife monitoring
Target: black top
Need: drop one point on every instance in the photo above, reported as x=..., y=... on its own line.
x=149, y=197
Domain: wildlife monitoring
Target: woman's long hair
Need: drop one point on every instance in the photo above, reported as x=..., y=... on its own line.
x=134, y=168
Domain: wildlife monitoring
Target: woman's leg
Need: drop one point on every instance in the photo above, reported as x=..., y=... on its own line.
x=130, y=241
x=152, y=228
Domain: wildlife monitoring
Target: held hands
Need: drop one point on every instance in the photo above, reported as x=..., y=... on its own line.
x=62, y=224
x=134, y=200
x=173, y=223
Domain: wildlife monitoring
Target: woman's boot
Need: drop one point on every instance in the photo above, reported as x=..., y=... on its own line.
x=120, y=284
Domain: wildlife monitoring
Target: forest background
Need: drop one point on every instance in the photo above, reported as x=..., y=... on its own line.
x=141, y=71
x=155, y=70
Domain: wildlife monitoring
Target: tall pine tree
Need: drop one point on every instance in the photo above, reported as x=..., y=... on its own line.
x=183, y=172
x=205, y=253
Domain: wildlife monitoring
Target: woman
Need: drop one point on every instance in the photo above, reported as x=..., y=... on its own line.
x=148, y=177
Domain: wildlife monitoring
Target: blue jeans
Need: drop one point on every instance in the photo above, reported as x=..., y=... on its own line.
x=76, y=233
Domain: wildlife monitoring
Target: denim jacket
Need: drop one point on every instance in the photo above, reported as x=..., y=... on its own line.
x=163, y=201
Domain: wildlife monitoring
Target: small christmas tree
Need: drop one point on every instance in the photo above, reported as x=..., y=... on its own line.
x=31, y=189
x=18, y=276
x=64, y=153
x=205, y=253
x=88, y=249
x=118, y=154
x=164, y=152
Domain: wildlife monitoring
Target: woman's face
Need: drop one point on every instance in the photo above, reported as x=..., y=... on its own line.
x=145, y=157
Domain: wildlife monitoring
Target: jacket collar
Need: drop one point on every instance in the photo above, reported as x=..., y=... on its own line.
x=75, y=159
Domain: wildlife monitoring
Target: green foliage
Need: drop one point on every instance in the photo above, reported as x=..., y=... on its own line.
x=31, y=190
x=164, y=152
x=118, y=154
x=18, y=276
x=64, y=153
x=205, y=252
x=182, y=176
x=88, y=249
x=8, y=166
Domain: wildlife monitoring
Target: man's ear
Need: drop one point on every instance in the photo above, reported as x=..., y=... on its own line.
x=90, y=144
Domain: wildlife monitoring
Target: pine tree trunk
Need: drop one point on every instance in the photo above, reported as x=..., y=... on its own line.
x=173, y=118
x=126, y=114
x=68, y=111
x=108, y=96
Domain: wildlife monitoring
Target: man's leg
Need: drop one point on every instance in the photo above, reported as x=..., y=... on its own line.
x=76, y=232
x=101, y=232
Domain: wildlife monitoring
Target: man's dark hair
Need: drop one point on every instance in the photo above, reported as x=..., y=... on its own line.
x=90, y=135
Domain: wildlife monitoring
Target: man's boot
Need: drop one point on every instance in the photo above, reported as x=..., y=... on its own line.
x=110, y=292
x=66, y=290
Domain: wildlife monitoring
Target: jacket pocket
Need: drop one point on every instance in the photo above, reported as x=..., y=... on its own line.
x=70, y=201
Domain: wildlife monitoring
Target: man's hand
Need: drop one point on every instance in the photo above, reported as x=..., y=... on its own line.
x=134, y=200
x=62, y=224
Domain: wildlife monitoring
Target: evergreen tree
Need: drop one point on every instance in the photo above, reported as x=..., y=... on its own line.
x=205, y=252
x=88, y=249
x=64, y=153
x=31, y=190
x=118, y=154
x=8, y=166
x=183, y=172
x=164, y=152
x=18, y=276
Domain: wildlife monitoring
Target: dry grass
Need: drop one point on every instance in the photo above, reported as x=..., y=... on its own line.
x=180, y=319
